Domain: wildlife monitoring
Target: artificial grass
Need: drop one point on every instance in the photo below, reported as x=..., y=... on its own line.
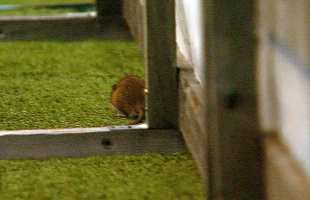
x=149, y=176
x=37, y=11
x=68, y=84
x=28, y=10
x=42, y=2
x=63, y=85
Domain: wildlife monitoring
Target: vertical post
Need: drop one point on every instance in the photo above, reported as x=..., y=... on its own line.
x=234, y=152
x=162, y=101
x=108, y=8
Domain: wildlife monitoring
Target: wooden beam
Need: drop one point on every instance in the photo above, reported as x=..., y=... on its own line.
x=109, y=7
x=27, y=18
x=80, y=142
x=160, y=56
x=191, y=115
x=285, y=179
x=134, y=14
x=233, y=150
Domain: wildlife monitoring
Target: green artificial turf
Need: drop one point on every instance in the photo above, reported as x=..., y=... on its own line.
x=42, y=2
x=33, y=11
x=41, y=11
x=68, y=84
x=62, y=85
x=119, y=177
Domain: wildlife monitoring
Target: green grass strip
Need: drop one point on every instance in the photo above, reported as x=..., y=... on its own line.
x=121, y=177
x=62, y=85
x=41, y=11
x=43, y=2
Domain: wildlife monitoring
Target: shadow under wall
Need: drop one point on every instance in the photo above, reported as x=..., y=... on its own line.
x=63, y=28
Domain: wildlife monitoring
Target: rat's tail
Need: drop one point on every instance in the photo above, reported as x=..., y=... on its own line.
x=140, y=117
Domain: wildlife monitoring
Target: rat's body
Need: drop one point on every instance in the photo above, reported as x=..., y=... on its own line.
x=128, y=97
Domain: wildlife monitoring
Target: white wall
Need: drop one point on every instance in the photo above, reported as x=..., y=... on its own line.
x=189, y=33
x=283, y=66
x=284, y=74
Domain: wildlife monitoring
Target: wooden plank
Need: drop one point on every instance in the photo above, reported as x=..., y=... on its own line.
x=284, y=92
x=182, y=61
x=129, y=13
x=107, y=12
x=160, y=55
x=89, y=15
x=109, y=7
x=285, y=179
x=267, y=99
x=134, y=14
x=41, y=144
x=191, y=115
x=234, y=152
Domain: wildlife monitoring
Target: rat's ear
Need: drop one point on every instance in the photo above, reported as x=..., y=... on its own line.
x=114, y=87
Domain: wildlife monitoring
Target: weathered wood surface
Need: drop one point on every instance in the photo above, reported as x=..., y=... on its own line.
x=26, y=18
x=160, y=55
x=285, y=179
x=191, y=117
x=108, y=11
x=109, y=7
x=233, y=150
x=152, y=24
x=134, y=13
x=284, y=74
x=41, y=144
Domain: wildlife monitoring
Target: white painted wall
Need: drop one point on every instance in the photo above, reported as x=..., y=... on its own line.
x=283, y=66
x=284, y=74
x=189, y=33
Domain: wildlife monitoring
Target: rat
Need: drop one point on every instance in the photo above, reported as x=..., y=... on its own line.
x=128, y=97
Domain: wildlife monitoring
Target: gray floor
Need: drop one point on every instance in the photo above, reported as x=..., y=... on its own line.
x=63, y=28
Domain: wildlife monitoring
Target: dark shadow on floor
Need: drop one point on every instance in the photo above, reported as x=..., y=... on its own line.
x=64, y=28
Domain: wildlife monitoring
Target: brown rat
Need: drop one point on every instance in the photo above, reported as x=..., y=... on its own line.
x=128, y=97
